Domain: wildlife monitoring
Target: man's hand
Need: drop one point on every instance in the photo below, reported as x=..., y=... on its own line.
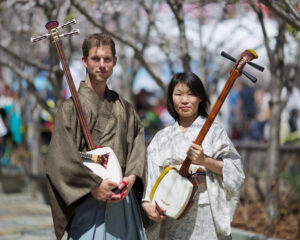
x=125, y=187
x=153, y=211
x=103, y=191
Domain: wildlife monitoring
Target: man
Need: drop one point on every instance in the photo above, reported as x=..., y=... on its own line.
x=81, y=202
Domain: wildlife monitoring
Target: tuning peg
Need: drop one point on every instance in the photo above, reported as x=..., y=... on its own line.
x=258, y=67
x=226, y=55
x=71, y=22
x=39, y=38
x=248, y=75
x=69, y=33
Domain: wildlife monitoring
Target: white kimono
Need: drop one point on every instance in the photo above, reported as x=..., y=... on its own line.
x=217, y=197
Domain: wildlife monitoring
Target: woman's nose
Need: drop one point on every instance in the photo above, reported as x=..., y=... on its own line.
x=184, y=99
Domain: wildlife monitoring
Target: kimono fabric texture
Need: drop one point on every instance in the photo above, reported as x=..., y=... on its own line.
x=218, y=196
x=107, y=221
x=113, y=123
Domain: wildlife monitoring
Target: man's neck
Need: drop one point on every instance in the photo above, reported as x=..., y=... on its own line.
x=98, y=87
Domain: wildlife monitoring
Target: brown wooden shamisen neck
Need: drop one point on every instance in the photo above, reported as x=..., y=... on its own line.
x=235, y=72
x=53, y=28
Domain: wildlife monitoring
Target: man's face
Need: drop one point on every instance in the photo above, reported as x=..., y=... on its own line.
x=100, y=63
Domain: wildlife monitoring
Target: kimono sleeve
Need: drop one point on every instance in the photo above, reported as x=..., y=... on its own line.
x=224, y=191
x=64, y=168
x=136, y=148
x=152, y=169
x=233, y=173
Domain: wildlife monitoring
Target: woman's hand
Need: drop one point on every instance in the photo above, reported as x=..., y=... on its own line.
x=153, y=211
x=196, y=155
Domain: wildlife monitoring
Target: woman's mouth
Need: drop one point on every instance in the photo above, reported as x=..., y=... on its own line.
x=184, y=108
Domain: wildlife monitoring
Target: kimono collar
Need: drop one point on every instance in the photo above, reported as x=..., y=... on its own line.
x=194, y=128
x=92, y=98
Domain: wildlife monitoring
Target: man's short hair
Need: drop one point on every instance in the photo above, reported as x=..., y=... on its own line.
x=97, y=40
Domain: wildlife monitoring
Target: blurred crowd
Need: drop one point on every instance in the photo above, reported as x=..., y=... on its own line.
x=249, y=113
x=11, y=128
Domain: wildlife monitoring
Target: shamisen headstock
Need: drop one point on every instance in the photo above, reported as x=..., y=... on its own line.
x=246, y=57
x=250, y=54
x=53, y=28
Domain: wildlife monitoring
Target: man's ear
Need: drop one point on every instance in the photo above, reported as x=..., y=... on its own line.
x=84, y=61
x=115, y=60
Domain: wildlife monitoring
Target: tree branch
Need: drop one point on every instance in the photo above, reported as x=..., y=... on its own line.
x=292, y=9
x=24, y=60
x=280, y=10
x=266, y=38
x=30, y=86
x=137, y=52
x=177, y=9
x=163, y=42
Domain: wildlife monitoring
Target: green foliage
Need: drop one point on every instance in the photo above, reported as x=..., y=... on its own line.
x=293, y=179
x=284, y=212
x=69, y=17
x=291, y=30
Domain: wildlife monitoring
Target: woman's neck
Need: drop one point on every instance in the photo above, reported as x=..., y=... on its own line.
x=185, y=123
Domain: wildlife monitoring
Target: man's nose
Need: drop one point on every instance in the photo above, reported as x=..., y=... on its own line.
x=101, y=63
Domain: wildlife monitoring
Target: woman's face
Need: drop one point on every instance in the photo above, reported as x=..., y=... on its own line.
x=185, y=102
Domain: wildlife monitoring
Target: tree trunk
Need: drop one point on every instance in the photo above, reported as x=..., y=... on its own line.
x=35, y=150
x=272, y=164
x=272, y=175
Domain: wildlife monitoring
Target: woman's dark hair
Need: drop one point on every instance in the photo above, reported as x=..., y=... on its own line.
x=197, y=88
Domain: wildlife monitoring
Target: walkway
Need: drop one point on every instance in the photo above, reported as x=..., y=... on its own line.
x=22, y=217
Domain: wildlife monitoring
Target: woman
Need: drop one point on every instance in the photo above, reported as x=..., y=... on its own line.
x=218, y=194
